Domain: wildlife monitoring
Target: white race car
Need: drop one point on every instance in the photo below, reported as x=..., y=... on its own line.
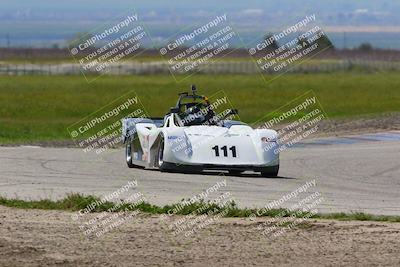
x=192, y=138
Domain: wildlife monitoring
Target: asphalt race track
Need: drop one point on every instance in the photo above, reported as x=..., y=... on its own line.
x=354, y=173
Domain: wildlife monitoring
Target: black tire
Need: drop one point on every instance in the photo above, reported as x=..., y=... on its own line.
x=128, y=155
x=270, y=171
x=160, y=154
x=235, y=172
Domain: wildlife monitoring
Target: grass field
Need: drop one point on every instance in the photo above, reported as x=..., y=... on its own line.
x=36, y=108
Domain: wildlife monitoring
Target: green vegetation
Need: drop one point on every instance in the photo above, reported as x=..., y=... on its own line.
x=39, y=108
x=76, y=202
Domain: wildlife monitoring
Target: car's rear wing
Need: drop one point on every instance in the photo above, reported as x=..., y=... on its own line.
x=129, y=125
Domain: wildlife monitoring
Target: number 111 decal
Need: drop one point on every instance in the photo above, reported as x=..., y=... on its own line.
x=224, y=150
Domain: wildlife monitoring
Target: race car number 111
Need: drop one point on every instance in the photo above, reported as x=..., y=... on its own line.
x=224, y=150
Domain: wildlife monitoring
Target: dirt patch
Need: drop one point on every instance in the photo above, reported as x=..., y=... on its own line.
x=43, y=238
x=338, y=127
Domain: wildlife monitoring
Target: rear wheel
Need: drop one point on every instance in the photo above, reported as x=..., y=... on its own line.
x=270, y=171
x=129, y=150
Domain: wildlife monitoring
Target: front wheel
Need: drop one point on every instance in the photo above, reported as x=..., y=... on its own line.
x=270, y=171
